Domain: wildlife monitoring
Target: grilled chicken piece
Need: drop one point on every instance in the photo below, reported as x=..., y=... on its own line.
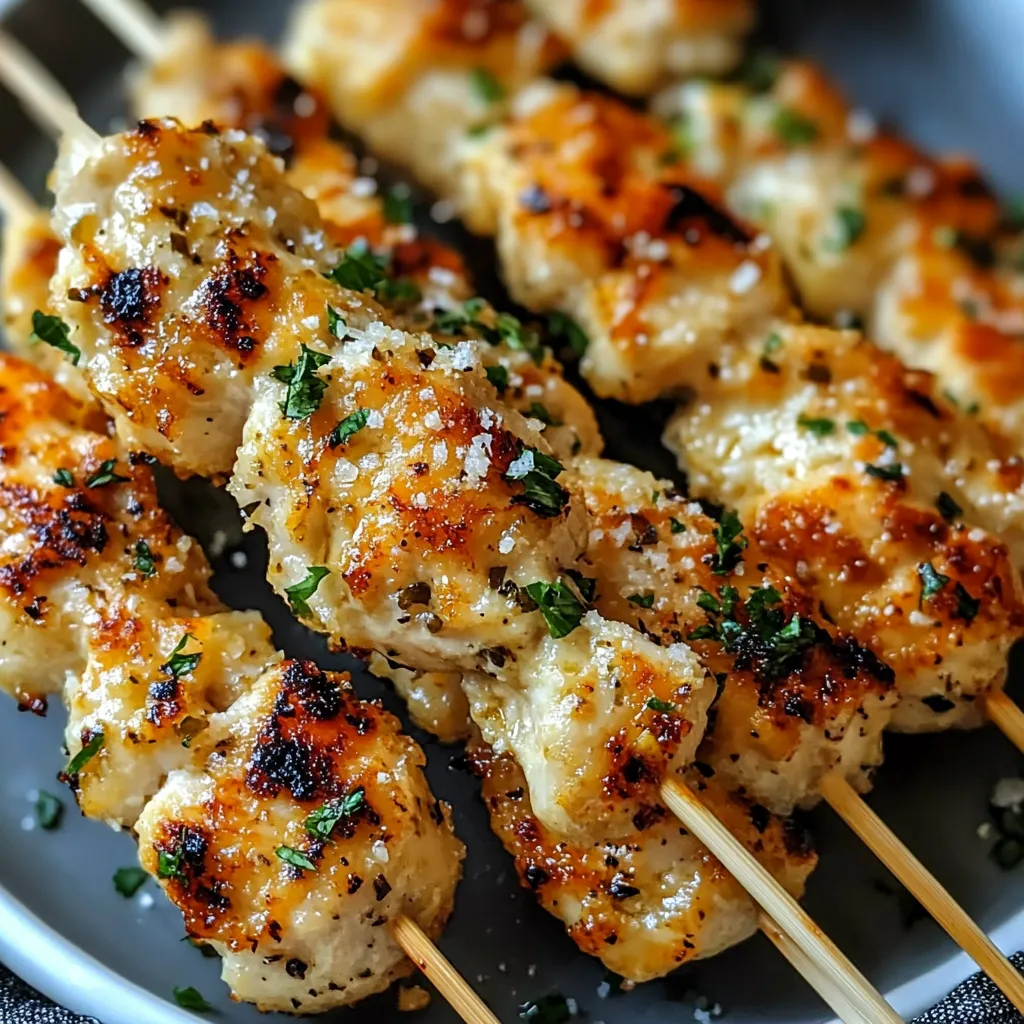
x=302, y=830
x=857, y=478
x=869, y=227
x=149, y=689
x=414, y=76
x=638, y=45
x=596, y=720
x=655, y=899
x=797, y=698
x=82, y=529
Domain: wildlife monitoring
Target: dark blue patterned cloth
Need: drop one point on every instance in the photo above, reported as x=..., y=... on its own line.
x=976, y=1001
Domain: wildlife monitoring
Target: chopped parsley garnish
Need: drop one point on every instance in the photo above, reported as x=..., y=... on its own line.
x=128, y=881
x=793, y=128
x=63, y=478
x=818, y=426
x=550, y=1009
x=48, y=810
x=348, y=427
x=850, y=225
x=179, y=664
x=398, y=205
x=586, y=585
x=558, y=604
x=966, y=606
x=507, y=329
x=644, y=600
x=359, y=269
x=487, y=88
x=144, y=563
x=296, y=858
x=105, y=475
x=932, y=581
x=498, y=376
x=731, y=543
x=771, y=344
x=971, y=409
x=948, y=508
x=398, y=291
x=168, y=865
x=664, y=706
x=322, y=821
x=336, y=322
x=305, y=388
x=540, y=412
x=892, y=473
x=190, y=999
x=565, y=329
x=537, y=472
x=54, y=332
x=85, y=755
x=675, y=525
x=760, y=70
x=299, y=593
x=860, y=429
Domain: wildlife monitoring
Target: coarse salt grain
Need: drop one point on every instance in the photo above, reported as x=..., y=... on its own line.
x=380, y=851
x=506, y=544
x=363, y=188
x=744, y=277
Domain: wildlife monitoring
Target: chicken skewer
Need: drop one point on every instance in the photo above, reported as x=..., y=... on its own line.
x=750, y=269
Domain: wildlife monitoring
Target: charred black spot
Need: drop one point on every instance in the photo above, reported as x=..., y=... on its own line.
x=760, y=816
x=278, y=762
x=129, y=299
x=296, y=968
x=855, y=659
x=689, y=205
x=797, y=836
x=162, y=701
x=226, y=293
x=799, y=707
x=646, y=816
x=148, y=130
x=919, y=398
x=381, y=887
x=355, y=883
x=316, y=693
x=536, y=876
x=620, y=889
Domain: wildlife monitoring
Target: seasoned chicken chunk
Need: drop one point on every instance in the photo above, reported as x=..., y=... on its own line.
x=415, y=76
x=797, y=699
x=596, y=720
x=148, y=690
x=653, y=900
x=303, y=829
x=82, y=528
x=590, y=220
x=854, y=475
x=637, y=45
x=435, y=700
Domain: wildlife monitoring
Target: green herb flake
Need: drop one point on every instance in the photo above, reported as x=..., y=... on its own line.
x=305, y=388
x=296, y=858
x=399, y=291
x=849, y=226
x=948, y=507
x=168, y=865
x=818, y=426
x=664, y=706
x=298, y=594
x=558, y=604
x=398, y=205
x=967, y=607
x=563, y=328
x=644, y=600
x=675, y=525
x=360, y=269
x=486, y=87
x=63, y=478
x=932, y=581
x=190, y=999
x=336, y=322
x=128, y=881
x=760, y=70
x=180, y=664
x=144, y=563
x=89, y=750
x=892, y=473
x=48, y=810
x=730, y=542
x=540, y=412
x=348, y=427
x=105, y=475
x=51, y=330
x=793, y=128
x=321, y=822
x=537, y=472
x=498, y=376
x=858, y=428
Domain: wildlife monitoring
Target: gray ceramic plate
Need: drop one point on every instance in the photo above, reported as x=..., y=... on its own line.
x=950, y=73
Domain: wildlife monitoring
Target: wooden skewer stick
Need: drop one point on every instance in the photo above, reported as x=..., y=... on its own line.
x=1008, y=717
x=43, y=97
x=15, y=202
x=133, y=23
x=834, y=972
x=416, y=944
x=878, y=837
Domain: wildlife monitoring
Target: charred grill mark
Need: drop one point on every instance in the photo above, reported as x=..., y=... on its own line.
x=315, y=691
x=279, y=762
x=129, y=299
x=228, y=292
x=689, y=205
x=162, y=703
